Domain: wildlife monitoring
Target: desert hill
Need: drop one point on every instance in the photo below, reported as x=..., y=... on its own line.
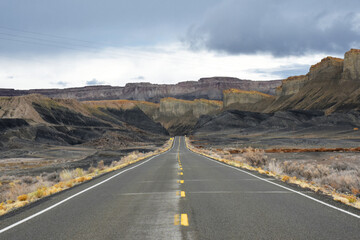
x=35, y=119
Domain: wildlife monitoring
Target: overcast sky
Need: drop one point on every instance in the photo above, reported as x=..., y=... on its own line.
x=73, y=43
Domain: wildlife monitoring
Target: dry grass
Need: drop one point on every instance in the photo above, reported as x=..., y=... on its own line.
x=17, y=192
x=339, y=179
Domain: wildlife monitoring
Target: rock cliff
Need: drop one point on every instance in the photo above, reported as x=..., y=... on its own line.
x=178, y=116
x=352, y=65
x=246, y=100
x=291, y=85
x=207, y=88
x=331, y=85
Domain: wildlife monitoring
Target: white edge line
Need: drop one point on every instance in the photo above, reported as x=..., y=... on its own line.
x=77, y=194
x=289, y=189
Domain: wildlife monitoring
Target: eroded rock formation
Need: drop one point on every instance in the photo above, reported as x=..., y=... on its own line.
x=207, y=88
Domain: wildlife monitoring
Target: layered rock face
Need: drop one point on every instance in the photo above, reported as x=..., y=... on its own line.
x=179, y=116
x=352, y=65
x=243, y=97
x=328, y=68
x=177, y=107
x=207, y=88
x=291, y=85
x=331, y=85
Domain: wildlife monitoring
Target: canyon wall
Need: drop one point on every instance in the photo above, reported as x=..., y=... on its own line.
x=331, y=85
x=207, y=88
x=291, y=85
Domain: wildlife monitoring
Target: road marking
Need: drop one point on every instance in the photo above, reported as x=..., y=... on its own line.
x=181, y=219
x=181, y=168
x=143, y=193
x=240, y=192
x=184, y=220
x=222, y=180
x=176, y=219
x=289, y=189
x=180, y=173
x=81, y=192
x=180, y=181
x=182, y=194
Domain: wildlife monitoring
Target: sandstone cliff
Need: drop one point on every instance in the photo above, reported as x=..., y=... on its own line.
x=179, y=116
x=246, y=100
x=291, y=85
x=352, y=65
x=207, y=88
x=331, y=85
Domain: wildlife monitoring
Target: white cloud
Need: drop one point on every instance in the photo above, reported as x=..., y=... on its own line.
x=160, y=64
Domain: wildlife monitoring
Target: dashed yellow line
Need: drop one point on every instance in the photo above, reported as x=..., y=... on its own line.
x=180, y=181
x=184, y=220
x=176, y=219
x=180, y=193
x=181, y=219
x=180, y=173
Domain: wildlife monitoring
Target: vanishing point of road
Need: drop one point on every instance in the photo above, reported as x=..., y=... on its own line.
x=182, y=195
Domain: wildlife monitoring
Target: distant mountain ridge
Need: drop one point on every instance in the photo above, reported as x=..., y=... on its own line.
x=207, y=88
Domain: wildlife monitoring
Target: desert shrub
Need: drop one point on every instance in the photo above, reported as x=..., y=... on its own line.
x=101, y=165
x=255, y=157
x=52, y=177
x=79, y=172
x=29, y=180
x=14, y=191
x=343, y=181
x=275, y=167
x=114, y=163
x=66, y=175
x=91, y=169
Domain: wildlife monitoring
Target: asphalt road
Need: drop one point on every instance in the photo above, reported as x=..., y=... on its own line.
x=181, y=195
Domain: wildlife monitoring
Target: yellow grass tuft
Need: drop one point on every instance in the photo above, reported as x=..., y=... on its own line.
x=285, y=178
x=23, y=197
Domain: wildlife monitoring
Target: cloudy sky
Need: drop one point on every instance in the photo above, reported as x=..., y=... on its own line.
x=73, y=43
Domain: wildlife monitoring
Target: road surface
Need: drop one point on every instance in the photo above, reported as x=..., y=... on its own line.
x=182, y=195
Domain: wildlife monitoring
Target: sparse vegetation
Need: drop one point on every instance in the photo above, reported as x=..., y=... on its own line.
x=17, y=192
x=336, y=178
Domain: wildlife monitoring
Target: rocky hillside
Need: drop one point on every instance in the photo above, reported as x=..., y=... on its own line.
x=179, y=116
x=35, y=119
x=331, y=85
x=246, y=100
x=207, y=88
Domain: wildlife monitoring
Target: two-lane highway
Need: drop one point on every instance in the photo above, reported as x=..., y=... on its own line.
x=181, y=195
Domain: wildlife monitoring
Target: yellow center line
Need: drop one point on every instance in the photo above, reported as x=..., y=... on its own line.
x=184, y=220
x=176, y=219
x=180, y=173
x=180, y=181
x=182, y=194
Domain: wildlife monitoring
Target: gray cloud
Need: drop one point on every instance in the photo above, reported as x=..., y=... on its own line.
x=111, y=23
x=94, y=82
x=280, y=27
x=285, y=71
x=61, y=83
x=138, y=78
